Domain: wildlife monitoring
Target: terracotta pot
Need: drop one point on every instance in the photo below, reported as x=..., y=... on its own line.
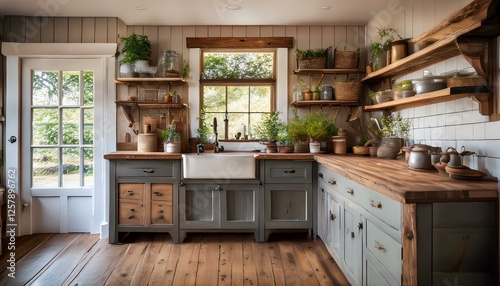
x=373, y=151
x=271, y=147
x=389, y=148
x=360, y=150
x=301, y=147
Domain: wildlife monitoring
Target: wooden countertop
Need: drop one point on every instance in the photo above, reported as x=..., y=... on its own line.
x=393, y=179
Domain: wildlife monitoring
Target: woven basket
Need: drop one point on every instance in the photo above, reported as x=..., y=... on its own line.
x=348, y=91
x=346, y=59
x=314, y=63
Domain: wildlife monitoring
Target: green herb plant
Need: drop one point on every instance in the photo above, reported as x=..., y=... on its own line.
x=270, y=127
x=395, y=126
x=170, y=135
x=319, y=127
x=135, y=48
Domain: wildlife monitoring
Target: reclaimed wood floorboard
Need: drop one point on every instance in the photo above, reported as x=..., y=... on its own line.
x=152, y=259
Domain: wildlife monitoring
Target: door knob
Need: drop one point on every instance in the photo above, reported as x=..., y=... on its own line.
x=12, y=139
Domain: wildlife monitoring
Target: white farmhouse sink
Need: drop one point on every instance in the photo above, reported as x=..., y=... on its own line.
x=218, y=166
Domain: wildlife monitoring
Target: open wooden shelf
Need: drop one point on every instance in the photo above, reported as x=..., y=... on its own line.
x=325, y=103
x=327, y=71
x=480, y=94
x=129, y=107
x=138, y=80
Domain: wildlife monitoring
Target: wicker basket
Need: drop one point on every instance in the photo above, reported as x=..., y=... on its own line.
x=314, y=63
x=347, y=91
x=346, y=59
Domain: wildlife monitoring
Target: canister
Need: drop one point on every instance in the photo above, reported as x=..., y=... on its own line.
x=327, y=92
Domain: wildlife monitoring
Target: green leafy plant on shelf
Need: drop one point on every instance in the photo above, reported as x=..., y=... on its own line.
x=270, y=127
x=319, y=127
x=135, y=48
x=311, y=53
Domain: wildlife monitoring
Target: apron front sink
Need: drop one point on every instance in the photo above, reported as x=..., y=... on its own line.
x=219, y=166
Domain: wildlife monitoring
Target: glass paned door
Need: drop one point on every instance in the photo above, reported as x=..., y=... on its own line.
x=62, y=116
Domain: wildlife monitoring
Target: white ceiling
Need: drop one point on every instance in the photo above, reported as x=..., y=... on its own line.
x=205, y=12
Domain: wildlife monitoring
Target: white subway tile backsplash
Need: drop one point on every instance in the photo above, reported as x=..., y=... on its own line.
x=473, y=117
x=442, y=120
x=419, y=111
x=440, y=108
x=427, y=133
x=431, y=121
x=450, y=106
x=491, y=148
x=465, y=131
x=492, y=130
x=463, y=104
x=491, y=167
x=453, y=119
x=451, y=132
x=479, y=131
x=438, y=133
x=481, y=148
x=419, y=134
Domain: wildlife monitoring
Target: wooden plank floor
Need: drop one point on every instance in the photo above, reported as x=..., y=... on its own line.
x=152, y=259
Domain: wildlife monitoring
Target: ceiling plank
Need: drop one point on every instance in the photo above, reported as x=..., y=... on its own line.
x=240, y=42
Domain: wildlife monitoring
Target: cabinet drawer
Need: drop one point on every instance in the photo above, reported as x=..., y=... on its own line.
x=161, y=213
x=382, y=207
x=145, y=168
x=284, y=171
x=452, y=214
x=385, y=249
x=161, y=192
x=131, y=212
x=326, y=176
x=131, y=191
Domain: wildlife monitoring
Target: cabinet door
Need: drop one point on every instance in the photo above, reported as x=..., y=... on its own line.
x=198, y=206
x=239, y=206
x=334, y=224
x=322, y=213
x=353, y=245
x=288, y=206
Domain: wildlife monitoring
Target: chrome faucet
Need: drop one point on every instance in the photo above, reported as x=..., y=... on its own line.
x=217, y=149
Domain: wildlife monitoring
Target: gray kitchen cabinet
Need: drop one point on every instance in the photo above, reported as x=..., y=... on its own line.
x=361, y=230
x=206, y=206
x=287, y=195
x=143, y=196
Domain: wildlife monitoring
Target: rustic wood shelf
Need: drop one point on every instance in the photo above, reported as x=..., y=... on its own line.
x=130, y=106
x=138, y=80
x=325, y=103
x=478, y=93
x=469, y=32
x=327, y=71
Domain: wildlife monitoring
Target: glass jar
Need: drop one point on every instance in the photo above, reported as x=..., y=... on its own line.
x=326, y=92
x=169, y=64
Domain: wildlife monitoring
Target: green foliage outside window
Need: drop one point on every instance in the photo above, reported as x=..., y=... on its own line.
x=238, y=66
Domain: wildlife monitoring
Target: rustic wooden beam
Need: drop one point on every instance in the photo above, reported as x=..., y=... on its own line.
x=239, y=43
x=409, y=243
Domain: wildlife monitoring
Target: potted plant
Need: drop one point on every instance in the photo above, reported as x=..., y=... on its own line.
x=269, y=129
x=286, y=143
x=203, y=130
x=311, y=58
x=361, y=147
x=316, y=93
x=136, y=51
x=379, y=49
x=296, y=129
x=318, y=127
x=394, y=130
x=171, y=139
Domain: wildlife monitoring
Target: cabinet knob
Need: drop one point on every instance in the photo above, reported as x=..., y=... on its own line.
x=332, y=216
x=375, y=204
x=149, y=170
x=350, y=191
x=218, y=188
x=158, y=194
x=161, y=217
x=130, y=193
x=360, y=225
x=131, y=217
x=132, y=210
x=353, y=235
x=332, y=182
x=379, y=246
x=320, y=175
x=161, y=211
x=289, y=171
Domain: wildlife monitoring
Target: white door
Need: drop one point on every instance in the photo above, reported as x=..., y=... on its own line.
x=58, y=146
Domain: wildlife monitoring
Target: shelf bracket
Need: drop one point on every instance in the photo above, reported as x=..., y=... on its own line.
x=129, y=114
x=475, y=51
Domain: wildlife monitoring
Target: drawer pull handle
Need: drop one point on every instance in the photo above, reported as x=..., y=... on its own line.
x=376, y=205
x=379, y=246
x=332, y=216
x=130, y=193
x=149, y=170
x=218, y=188
x=159, y=194
x=360, y=225
x=353, y=235
x=320, y=175
x=161, y=211
x=132, y=210
x=332, y=182
x=131, y=217
x=161, y=217
x=289, y=171
x=350, y=191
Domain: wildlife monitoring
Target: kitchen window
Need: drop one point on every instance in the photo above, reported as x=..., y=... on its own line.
x=237, y=87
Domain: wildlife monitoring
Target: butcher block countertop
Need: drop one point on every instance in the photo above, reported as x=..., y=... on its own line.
x=393, y=179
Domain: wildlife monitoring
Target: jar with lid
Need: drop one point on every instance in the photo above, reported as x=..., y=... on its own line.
x=169, y=64
x=327, y=92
